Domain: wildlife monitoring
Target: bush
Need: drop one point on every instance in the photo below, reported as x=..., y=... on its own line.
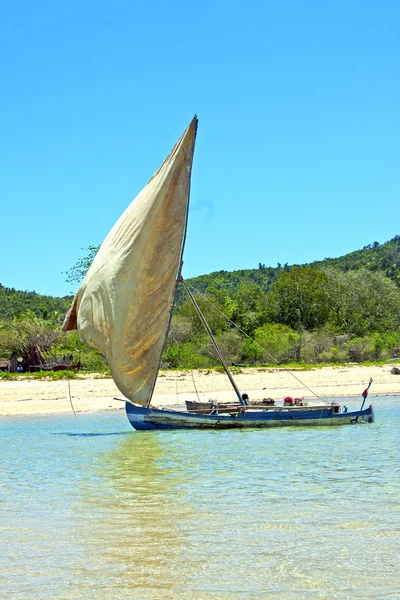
x=93, y=360
x=336, y=354
x=385, y=345
x=46, y=375
x=7, y=375
x=231, y=345
x=90, y=358
x=323, y=346
x=360, y=349
x=185, y=356
x=252, y=354
x=277, y=342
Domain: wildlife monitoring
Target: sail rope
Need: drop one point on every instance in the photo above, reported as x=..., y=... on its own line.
x=250, y=338
x=195, y=387
x=177, y=385
x=73, y=410
x=214, y=342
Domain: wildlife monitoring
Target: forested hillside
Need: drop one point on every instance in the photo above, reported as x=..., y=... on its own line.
x=13, y=302
x=335, y=310
x=383, y=258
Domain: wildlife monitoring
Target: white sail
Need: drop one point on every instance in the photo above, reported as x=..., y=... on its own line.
x=123, y=305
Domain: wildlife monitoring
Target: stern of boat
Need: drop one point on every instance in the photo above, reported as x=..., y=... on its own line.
x=370, y=414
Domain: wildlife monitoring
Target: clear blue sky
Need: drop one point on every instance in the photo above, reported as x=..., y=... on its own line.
x=298, y=148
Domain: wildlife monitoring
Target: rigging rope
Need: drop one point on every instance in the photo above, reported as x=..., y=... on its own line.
x=73, y=410
x=195, y=387
x=250, y=338
x=213, y=340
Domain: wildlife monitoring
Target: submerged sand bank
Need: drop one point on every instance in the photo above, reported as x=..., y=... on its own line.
x=173, y=387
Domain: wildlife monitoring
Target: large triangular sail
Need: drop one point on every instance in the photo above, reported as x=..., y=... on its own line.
x=124, y=303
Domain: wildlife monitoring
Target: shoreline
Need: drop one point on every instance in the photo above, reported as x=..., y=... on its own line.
x=91, y=393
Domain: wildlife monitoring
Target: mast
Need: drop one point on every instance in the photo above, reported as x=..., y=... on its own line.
x=195, y=122
x=217, y=349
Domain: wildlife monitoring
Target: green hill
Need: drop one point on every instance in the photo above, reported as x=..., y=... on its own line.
x=13, y=302
x=384, y=258
x=336, y=310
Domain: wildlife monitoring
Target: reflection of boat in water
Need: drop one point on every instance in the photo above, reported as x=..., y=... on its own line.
x=124, y=305
x=131, y=522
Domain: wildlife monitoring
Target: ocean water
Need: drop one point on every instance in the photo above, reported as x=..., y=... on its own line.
x=291, y=513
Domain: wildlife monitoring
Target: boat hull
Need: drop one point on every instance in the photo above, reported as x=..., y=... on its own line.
x=142, y=418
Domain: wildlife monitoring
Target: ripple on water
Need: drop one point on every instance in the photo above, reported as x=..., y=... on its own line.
x=291, y=513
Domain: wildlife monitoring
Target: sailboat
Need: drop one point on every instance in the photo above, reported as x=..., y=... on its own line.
x=124, y=304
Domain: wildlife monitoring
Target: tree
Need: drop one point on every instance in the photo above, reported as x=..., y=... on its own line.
x=279, y=342
x=214, y=306
x=299, y=299
x=76, y=273
x=249, y=308
x=28, y=336
x=363, y=302
x=230, y=345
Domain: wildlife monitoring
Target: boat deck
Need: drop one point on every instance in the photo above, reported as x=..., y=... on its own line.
x=236, y=407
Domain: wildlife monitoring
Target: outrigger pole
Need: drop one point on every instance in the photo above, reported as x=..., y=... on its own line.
x=217, y=349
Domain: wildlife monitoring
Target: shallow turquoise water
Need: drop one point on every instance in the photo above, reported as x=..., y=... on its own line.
x=283, y=513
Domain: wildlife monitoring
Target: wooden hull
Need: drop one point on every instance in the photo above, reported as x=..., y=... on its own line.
x=142, y=418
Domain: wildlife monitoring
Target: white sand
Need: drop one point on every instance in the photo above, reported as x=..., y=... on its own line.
x=173, y=387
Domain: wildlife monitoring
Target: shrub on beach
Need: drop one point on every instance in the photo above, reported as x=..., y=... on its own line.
x=277, y=342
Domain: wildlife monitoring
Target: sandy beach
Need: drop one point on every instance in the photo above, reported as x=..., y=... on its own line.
x=91, y=393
